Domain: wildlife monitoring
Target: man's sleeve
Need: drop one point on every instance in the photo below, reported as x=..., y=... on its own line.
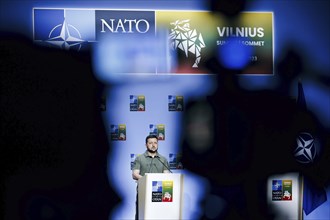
x=136, y=164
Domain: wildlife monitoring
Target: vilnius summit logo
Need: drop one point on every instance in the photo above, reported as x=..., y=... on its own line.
x=187, y=39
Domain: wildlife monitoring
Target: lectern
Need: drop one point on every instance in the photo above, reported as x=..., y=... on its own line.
x=160, y=196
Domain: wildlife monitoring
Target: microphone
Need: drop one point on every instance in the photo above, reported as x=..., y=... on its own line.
x=164, y=164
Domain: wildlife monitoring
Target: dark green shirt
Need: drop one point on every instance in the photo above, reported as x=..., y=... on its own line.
x=147, y=164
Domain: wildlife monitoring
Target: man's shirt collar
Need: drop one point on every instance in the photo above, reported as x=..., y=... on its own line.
x=147, y=155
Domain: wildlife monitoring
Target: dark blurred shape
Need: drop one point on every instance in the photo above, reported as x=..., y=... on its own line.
x=252, y=136
x=288, y=68
x=301, y=101
x=291, y=64
x=228, y=8
x=53, y=143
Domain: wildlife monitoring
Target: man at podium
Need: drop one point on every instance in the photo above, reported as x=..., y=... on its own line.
x=149, y=162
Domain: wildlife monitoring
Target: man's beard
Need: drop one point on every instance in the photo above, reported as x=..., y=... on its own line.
x=152, y=151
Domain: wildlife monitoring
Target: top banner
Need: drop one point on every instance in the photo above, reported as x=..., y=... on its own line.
x=192, y=37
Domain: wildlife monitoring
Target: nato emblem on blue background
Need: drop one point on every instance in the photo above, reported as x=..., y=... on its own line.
x=114, y=129
x=133, y=103
x=171, y=99
x=277, y=185
x=153, y=129
x=172, y=103
x=68, y=29
x=157, y=186
x=277, y=190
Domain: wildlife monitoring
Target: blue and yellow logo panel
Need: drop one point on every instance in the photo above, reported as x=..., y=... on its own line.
x=168, y=41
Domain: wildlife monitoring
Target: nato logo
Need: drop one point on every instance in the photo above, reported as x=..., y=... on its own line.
x=133, y=103
x=153, y=129
x=305, y=151
x=171, y=99
x=157, y=186
x=68, y=29
x=133, y=99
x=175, y=103
x=277, y=185
x=114, y=129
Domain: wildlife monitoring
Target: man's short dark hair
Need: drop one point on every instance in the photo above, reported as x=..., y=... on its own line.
x=151, y=136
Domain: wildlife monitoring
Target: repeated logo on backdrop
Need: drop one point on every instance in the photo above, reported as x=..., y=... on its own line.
x=158, y=130
x=175, y=103
x=118, y=132
x=137, y=103
x=193, y=35
x=175, y=161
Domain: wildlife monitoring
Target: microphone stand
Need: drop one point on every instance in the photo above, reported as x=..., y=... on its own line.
x=164, y=165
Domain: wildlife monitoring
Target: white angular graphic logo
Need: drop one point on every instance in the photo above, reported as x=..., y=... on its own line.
x=69, y=37
x=305, y=151
x=186, y=39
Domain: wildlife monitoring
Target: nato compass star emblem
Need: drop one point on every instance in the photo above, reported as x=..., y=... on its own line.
x=305, y=151
x=68, y=38
x=277, y=186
